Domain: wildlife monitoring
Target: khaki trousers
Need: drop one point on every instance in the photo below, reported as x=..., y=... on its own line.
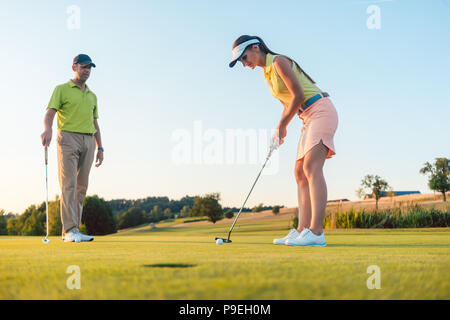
x=76, y=153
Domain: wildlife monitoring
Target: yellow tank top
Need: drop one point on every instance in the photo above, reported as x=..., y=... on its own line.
x=279, y=89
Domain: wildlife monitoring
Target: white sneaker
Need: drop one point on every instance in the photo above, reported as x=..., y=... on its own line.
x=307, y=239
x=72, y=236
x=84, y=237
x=293, y=233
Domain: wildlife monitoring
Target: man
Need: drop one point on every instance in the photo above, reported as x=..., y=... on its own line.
x=78, y=131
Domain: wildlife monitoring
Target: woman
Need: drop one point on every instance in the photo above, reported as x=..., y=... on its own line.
x=298, y=94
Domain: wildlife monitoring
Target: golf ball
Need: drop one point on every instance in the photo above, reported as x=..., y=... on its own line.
x=219, y=241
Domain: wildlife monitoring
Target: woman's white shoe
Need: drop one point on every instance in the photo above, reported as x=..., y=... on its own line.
x=307, y=239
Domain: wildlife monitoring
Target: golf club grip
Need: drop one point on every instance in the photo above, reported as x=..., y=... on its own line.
x=46, y=155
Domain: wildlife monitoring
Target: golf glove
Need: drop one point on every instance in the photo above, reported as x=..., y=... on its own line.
x=275, y=141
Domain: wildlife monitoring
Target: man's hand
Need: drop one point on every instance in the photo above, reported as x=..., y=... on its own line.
x=99, y=158
x=46, y=137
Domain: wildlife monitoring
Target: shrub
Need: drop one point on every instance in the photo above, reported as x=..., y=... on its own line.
x=97, y=216
x=131, y=218
x=207, y=206
x=276, y=210
x=411, y=217
x=229, y=214
x=295, y=222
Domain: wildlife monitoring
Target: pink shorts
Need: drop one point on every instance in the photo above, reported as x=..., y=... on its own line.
x=320, y=122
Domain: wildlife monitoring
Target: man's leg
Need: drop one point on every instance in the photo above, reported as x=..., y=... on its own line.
x=84, y=168
x=67, y=151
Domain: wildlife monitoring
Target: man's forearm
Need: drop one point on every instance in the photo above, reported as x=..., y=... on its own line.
x=48, y=119
x=98, y=139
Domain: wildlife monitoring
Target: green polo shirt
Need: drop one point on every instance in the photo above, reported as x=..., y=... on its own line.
x=76, y=109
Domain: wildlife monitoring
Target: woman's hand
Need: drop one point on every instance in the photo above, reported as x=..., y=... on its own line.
x=282, y=132
x=276, y=140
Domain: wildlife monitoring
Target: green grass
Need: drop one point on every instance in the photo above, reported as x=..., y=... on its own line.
x=185, y=263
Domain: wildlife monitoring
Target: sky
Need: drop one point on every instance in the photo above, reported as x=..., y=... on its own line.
x=169, y=104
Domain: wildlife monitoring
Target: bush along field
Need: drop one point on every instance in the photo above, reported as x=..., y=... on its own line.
x=413, y=216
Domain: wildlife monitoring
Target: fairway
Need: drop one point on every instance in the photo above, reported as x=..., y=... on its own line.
x=183, y=262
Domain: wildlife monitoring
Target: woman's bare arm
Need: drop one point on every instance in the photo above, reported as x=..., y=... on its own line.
x=283, y=66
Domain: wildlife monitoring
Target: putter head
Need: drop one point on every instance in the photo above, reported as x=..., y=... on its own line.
x=224, y=240
x=45, y=240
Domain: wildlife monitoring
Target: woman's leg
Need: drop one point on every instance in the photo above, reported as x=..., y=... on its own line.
x=313, y=168
x=304, y=200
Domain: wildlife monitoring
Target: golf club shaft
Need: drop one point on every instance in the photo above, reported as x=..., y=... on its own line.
x=239, y=213
x=46, y=188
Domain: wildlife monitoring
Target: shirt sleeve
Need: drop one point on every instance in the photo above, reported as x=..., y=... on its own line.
x=95, y=109
x=55, y=100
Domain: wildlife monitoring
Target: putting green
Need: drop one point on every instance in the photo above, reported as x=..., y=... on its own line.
x=170, y=262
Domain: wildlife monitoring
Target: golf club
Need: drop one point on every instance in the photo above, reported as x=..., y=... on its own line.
x=227, y=240
x=46, y=240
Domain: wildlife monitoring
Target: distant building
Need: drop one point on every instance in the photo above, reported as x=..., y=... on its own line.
x=395, y=193
x=338, y=200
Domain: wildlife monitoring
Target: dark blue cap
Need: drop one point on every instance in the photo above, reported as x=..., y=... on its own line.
x=83, y=59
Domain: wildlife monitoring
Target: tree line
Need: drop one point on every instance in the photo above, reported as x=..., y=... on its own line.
x=102, y=217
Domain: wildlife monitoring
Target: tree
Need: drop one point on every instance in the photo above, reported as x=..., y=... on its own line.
x=258, y=208
x=97, y=216
x=54, y=217
x=3, y=223
x=184, y=212
x=360, y=193
x=34, y=225
x=438, y=175
x=207, y=206
x=196, y=209
x=147, y=204
x=131, y=218
x=12, y=228
x=276, y=210
x=229, y=214
x=376, y=185
x=156, y=214
x=167, y=213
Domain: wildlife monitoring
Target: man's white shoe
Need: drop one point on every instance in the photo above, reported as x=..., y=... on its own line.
x=84, y=237
x=72, y=236
x=307, y=239
x=293, y=233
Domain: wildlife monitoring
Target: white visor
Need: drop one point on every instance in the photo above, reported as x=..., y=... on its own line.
x=239, y=50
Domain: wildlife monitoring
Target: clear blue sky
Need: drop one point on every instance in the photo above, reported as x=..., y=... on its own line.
x=162, y=65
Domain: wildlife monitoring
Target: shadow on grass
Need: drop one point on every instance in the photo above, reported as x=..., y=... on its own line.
x=156, y=241
x=169, y=265
x=374, y=245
